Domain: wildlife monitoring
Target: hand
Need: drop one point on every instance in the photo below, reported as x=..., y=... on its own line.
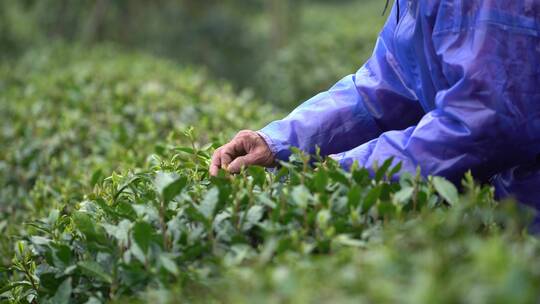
x=247, y=148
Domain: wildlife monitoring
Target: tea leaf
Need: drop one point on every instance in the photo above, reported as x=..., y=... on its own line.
x=63, y=293
x=209, y=203
x=446, y=189
x=143, y=235
x=169, y=264
x=94, y=270
x=174, y=188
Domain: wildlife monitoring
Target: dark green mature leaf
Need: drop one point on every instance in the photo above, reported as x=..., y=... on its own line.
x=94, y=270
x=209, y=203
x=354, y=196
x=446, y=189
x=88, y=228
x=143, y=235
x=320, y=181
x=395, y=170
x=97, y=176
x=382, y=170
x=339, y=177
x=63, y=293
x=361, y=176
x=174, y=188
x=258, y=174
x=371, y=198
x=254, y=215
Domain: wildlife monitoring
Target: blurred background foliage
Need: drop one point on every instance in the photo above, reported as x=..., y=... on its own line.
x=284, y=50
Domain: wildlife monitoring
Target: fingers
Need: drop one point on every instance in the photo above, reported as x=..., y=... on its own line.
x=224, y=155
x=231, y=151
x=242, y=161
x=245, y=149
x=215, y=164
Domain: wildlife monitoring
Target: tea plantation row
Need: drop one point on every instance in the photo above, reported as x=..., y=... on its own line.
x=105, y=197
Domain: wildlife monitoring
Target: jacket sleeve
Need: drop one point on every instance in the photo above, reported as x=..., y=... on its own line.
x=488, y=119
x=355, y=110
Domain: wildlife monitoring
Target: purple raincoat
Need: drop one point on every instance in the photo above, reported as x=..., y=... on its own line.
x=453, y=85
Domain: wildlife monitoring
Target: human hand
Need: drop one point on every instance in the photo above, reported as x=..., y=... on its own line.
x=247, y=148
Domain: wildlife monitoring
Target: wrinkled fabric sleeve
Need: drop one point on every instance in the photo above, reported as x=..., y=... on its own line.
x=488, y=120
x=357, y=109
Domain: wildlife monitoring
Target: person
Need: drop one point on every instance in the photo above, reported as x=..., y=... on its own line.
x=452, y=86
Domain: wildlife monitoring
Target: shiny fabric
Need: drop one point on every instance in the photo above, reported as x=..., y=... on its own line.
x=454, y=85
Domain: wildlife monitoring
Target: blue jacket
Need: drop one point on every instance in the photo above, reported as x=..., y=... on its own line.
x=453, y=85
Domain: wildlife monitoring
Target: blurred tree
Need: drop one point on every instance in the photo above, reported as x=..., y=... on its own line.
x=269, y=45
x=284, y=16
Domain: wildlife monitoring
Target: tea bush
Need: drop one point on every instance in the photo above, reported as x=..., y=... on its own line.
x=117, y=205
x=69, y=117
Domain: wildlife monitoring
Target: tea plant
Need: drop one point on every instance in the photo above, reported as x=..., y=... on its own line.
x=173, y=225
x=69, y=117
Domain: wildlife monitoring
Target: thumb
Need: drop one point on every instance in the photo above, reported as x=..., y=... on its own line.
x=242, y=161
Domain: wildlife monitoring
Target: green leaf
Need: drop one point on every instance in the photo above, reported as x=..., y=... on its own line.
x=169, y=264
x=96, y=177
x=301, y=196
x=354, y=196
x=339, y=177
x=187, y=150
x=381, y=172
x=173, y=189
x=320, y=181
x=254, y=215
x=395, y=170
x=143, y=234
x=164, y=179
x=371, y=198
x=119, y=232
x=87, y=227
x=13, y=285
x=63, y=293
x=61, y=255
x=258, y=174
x=404, y=195
x=94, y=270
x=446, y=189
x=323, y=217
x=208, y=204
x=361, y=176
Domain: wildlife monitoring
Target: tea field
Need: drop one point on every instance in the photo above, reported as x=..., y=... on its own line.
x=105, y=198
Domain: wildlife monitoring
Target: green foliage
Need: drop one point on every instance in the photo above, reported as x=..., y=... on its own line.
x=262, y=235
x=69, y=117
x=286, y=50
